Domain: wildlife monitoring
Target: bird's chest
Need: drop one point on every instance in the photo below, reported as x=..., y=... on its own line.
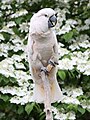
x=44, y=49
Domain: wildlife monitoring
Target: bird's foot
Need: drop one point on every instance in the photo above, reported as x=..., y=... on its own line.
x=53, y=63
x=44, y=69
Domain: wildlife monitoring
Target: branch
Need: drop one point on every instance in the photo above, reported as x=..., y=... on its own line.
x=47, y=101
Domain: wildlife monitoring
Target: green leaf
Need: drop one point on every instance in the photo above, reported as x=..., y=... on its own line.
x=42, y=117
x=16, y=30
x=4, y=97
x=12, y=80
x=72, y=107
x=62, y=74
x=71, y=74
x=29, y=108
x=81, y=110
x=20, y=110
x=19, y=20
x=68, y=36
x=88, y=110
x=6, y=36
x=75, y=32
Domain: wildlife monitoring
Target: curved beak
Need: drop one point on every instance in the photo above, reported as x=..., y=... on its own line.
x=52, y=21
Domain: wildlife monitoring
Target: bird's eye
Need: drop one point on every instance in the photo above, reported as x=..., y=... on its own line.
x=46, y=15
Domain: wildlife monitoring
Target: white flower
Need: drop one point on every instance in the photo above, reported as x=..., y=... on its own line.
x=23, y=82
x=16, y=58
x=17, y=47
x=62, y=51
x=70, y=100
x=18, y=43
x=4, y=6
x=36, y=1
x=84, y=27
x=15, y=39
x=72, y=94
x=24, y=27
x=54, y=109
x=84, y=44
x=71, y=116
x=9, y=12
x=15, y=99
x=60, y=116
x=82, y=57
x=84, y=37
x=20, y=1
x=1, y=37
x=87, y=68
x=7, y=29
x=87, y=21
x=63, y=116
x=85, y=104
x=19, y=91
x=61, y=17
x=82, y=41
x=71, y=22
x=22, y=100
x=24, y=55
x=6, y=67
x=19, y=13
x=19, y=65
x=66, y=1
x=87, y=72
x=82, y=61
x=60, y=45
x=22, y=75
x=66, y=64
x=88, y=5
x=77, y=92
x=84, y=67
x=65, y=29
x=11, y=24
x=87, y=53
x=74, y=46
x=27, y=98
x=8, y=89
x=81, y=67
x=6, y=1
x=1, y=13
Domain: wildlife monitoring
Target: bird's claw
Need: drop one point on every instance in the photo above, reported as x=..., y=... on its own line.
x=53, y=63
x=44, y=69
x=56, y=63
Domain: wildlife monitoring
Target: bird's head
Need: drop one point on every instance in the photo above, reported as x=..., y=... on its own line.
x=43, y=20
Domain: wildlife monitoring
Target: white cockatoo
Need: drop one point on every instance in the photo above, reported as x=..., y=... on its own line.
x=43, y=52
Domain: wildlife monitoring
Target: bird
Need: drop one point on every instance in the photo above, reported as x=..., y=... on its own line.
x=42, y=53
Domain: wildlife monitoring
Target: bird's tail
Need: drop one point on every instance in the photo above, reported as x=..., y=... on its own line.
x=39, y=94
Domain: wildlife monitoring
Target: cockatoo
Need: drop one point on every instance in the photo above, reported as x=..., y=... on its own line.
x=43, y=52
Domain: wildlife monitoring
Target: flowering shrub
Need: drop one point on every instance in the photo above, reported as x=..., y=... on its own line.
x=73, y=34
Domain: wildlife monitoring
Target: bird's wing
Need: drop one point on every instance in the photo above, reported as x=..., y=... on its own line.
x=30, y=46
x=55, y=47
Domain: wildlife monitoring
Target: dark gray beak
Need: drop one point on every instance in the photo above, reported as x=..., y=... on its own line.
x=52, y=21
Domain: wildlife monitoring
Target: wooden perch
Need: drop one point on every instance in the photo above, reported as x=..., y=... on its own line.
x=47, y=101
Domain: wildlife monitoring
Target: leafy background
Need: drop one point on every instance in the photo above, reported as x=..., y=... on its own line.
x=73, y=34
